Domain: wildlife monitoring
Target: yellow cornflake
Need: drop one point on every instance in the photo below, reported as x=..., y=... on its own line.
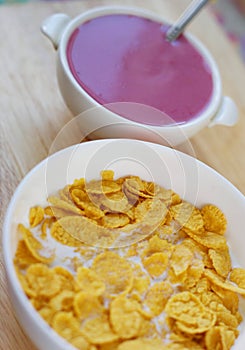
x=63, y=301
x=174, y=279
x=117, y=203
x=66, y=278
x=212, y=301
x=202, y=286
x=66, y=325
x=98, y=331
x=190, y=277
x=47, y=313
x=219, y=337
x=87, y=306
x=35, y=247
x=55, y=213
x=125, y=317
x=209, y=239
x=78, y=183
x=42, y=280
x=62, y=235
x=75, y=230
x=191, y=316
x=136, y=186
x=214, y=219
x=156, y=264
x=107, y=175
x=225, y=284
x=221, y=261
x=229, y=299
x=23, y=257
x=25, y=285
x=226, y=318
x=187, y=216
x=89, y=281
x=237, y=276
x=65, y=194
x=89, y=207
x=79, y=197
x=181, y=258
x=114, y=220
x=61, y=204
x=157, y=245
x=81, y=343
x=114, y=271
x=102, y=187
x=45, y=226
x=141, y=280
x=194, y=273
x=142, y=209
x=157, y=297
x=36, y=216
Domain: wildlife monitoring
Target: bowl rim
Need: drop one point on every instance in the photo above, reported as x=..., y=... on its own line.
x=206, y=115
x=7, y=255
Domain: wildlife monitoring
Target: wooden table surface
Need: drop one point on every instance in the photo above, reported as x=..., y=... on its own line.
x=32, y=111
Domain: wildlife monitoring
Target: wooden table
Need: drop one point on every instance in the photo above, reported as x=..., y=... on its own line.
x=32, y=111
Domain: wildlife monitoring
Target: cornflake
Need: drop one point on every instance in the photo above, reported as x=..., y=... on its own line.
x=125, y=317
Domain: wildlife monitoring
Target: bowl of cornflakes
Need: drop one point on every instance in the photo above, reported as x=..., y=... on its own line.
x=123, y=244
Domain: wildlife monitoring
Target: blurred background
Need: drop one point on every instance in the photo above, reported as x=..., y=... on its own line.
x=231, y=15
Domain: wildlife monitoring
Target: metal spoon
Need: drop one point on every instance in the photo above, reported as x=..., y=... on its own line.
x=178, y=27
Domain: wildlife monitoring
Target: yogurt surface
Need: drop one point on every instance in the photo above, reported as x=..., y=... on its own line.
x=126, y=58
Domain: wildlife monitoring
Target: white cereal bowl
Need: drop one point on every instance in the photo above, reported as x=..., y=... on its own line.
x=192, y=179
x=99, y=121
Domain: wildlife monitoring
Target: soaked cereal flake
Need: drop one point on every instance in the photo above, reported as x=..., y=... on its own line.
x=63, y=301
x=114, y=220
x=157, y=297
x=125, y=317
x=87, y=306
x=156, y=264
x=81, y=343
x=98, y=331
x=89, y=281
x=47, y=314
x=42, y=280
x=114, y=271
x=181, y=258
x=66, y=325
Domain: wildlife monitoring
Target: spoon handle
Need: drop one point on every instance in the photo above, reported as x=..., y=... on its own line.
x=177, y=28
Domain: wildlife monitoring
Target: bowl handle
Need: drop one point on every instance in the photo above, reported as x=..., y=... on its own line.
x=227, y=113
x=54, y=26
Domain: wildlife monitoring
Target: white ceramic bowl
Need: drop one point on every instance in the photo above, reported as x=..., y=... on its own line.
x=100, y=122
x=193, y=180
